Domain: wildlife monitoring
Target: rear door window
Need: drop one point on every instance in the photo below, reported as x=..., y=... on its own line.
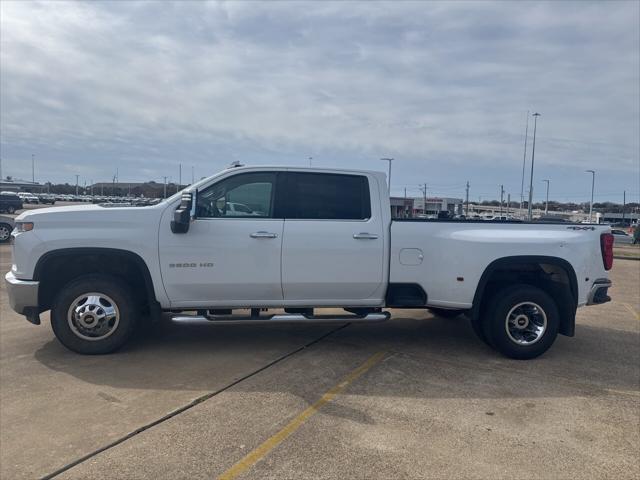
x=324, y=196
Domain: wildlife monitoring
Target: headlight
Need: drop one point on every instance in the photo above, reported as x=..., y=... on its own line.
x=21, y=227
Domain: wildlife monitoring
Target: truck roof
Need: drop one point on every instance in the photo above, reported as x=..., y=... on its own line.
x=308, y=169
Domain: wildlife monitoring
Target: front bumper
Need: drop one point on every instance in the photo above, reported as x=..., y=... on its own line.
x=599, y=292
x=23, y=296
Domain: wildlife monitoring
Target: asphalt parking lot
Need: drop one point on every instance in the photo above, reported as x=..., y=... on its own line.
x=416, y=397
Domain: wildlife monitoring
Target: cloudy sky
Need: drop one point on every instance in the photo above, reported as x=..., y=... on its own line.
x=444, y=88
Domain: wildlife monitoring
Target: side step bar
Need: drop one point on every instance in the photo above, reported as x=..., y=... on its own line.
x=281, y=318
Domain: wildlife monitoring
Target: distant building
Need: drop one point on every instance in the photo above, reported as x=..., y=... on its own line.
x=435, y=205
x=11, y=184
x=401, y=207
x=615, y=218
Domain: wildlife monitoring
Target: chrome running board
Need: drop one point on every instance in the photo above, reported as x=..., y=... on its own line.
x=279, y=318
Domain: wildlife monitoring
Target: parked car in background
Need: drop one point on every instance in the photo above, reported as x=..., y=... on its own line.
x=6, y=226
x=233, y=209
x=551, y=219
x=47, y=198
x=28, y=197
x=9, y=202
x=621, y=237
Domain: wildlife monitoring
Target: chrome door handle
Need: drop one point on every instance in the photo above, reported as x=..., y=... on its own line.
x=263, y=235
x=365, y=236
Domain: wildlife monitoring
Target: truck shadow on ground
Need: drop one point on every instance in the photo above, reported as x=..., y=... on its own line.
x=428, y=357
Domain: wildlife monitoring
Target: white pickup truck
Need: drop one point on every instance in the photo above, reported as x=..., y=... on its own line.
x=309, y=239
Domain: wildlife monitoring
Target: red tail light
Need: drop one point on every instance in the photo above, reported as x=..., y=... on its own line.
x=606, y=245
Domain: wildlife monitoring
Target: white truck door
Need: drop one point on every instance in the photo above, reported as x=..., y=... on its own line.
x=333, y=246
x=231, y=254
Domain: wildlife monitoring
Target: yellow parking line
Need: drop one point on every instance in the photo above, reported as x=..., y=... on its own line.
x=256, y=455
x=632, y=310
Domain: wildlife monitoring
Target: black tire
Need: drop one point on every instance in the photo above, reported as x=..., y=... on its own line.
x=5, y=232
x=535, y=306
x=111, y=289
x=444, y=313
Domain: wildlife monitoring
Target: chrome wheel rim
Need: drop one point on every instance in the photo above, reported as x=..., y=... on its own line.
x=93, y=316
x=4, y=233
x=526, y=323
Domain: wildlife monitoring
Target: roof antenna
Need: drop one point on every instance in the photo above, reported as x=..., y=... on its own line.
x=235, y=164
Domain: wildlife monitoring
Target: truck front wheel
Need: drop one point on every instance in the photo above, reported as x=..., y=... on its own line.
x=93, y=314
x=521, y=322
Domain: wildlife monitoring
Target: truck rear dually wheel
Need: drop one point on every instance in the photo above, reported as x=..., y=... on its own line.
x=521, y=322
x=94, y=314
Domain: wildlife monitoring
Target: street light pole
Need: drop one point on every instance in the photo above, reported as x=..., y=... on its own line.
x=593, y=184
x=423, y=187
x=524, y=162
x=77, y=176
x=533, y=157
x=546, y=203
x=33, y=168
x=467, y=200
x=165, y=188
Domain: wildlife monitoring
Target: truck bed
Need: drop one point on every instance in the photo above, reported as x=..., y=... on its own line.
x=448, y=257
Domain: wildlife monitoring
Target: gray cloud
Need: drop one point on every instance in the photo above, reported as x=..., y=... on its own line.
x=443, y=87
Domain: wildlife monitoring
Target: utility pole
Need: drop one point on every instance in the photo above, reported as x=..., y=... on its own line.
x=524, y=163
x=593, y=184
x=1, y=168
x=508, y=203
x=546, y=203
x=404, y=204
x=467, y=201
x=33, y=168
x=501, y=198
x=165, y=187
x=192, y=175
x=624, y=203
x=388, y=160
x=91, y=187
x=533, y=158
x=423, y=187
x=77, y=176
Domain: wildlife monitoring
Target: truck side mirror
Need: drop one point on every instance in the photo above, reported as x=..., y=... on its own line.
x=182, y=215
